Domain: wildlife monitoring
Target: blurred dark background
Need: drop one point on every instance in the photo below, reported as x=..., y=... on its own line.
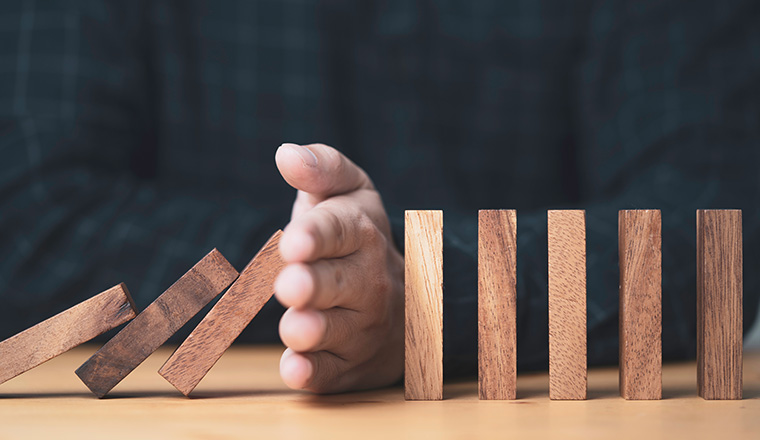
x=136, y=136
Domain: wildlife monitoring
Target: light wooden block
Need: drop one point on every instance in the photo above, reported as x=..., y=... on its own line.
x=64, y=331
x=567, y=305
x=497, y=304
x=423, y=373
x=161, y=319
x=640, y=249
x=719, y=304
x=226, y=320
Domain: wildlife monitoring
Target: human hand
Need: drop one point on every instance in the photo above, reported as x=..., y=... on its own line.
x=343, y=285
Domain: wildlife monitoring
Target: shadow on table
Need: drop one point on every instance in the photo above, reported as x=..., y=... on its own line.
x=82, y=394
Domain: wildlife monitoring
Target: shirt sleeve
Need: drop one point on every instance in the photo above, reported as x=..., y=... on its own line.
x=82, y=208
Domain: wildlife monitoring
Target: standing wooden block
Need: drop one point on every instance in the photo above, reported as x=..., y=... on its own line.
x=640, y=249
x=567, y=305
x=161, y=319
x=497, y=304
x=226, y=320
x=65, y=331
x=719, y=304
x=423, y=373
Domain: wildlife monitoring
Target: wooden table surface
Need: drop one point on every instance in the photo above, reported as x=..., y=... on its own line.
x=243, y=397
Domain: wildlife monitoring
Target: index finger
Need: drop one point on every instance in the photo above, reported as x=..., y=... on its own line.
x=329, y=230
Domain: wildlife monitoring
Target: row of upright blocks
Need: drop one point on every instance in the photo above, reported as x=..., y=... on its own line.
x=719, y=304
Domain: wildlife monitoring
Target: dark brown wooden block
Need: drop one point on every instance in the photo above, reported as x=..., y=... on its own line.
x=719, y=304
x=161, y=319
x=423, y=371
x=497, y=304
x=567, y=305
x=65, y=331
x=226, y=320
x=640, y=249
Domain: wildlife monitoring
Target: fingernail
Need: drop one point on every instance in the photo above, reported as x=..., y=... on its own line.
x=307, y=156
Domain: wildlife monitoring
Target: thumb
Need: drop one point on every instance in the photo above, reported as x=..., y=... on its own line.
x=319, y=171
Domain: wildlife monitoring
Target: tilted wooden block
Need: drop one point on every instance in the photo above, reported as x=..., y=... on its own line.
x=640, y=249
x=567, y=305
x=226, y=320
x=423, y=371
x=719, y=304
x=64, y=331
x=161, y=319
x=497, y=304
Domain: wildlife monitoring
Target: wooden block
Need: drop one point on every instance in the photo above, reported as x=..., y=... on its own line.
x=423, y=373
x=226, y=320
x=64, y=331
x=640, y=248
x=497, y=304
x=567, y=305
x=161, y=319
x=719, y=304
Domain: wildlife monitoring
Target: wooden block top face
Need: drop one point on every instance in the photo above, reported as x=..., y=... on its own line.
x=66, y=330
x=423, y=378
x=719, y=303
x=567, y=304
x=226, y=320
x=640, y=249
x=161, y=319
x=497, y=304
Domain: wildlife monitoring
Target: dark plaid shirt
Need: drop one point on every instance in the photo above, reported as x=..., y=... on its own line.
x=137, y=135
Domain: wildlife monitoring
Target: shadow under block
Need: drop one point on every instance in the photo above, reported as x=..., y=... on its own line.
x=64, y=331
x=719, y=304
x=159, y=321
x=226, y=320
x=640, y=249
x=567, y=304
x=497, y=304
x=423, y=329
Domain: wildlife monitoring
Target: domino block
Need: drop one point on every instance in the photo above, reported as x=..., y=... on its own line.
x=161, y=319
x=64, y=331
x=423, y=330
x=567, y=305
x=640, y=248
x=497, y=304
x=719, y=304
x=226, y=320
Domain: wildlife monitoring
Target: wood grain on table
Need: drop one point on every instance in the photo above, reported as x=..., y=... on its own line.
x=243, y=397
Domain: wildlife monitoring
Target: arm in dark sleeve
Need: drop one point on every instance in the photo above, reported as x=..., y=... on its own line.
x=77, y=213
x=667, y=118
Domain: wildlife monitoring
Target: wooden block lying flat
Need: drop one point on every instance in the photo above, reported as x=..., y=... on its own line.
x=226, y=320
x=719, y=304
x=497, y=304
x=640, y=248
x=65, y=331
x=423, y=371
x=161, y=319
x=567, y=305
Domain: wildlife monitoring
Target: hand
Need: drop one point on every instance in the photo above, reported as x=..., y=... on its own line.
x=344, y=282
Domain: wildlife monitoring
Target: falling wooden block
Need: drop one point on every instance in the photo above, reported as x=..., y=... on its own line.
x=161, y=319
x=497, y=304
x=423, y=373
x=640, y=248
x=65, y=331
x=719, y=304
x=226, y=320
x=567, y=305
